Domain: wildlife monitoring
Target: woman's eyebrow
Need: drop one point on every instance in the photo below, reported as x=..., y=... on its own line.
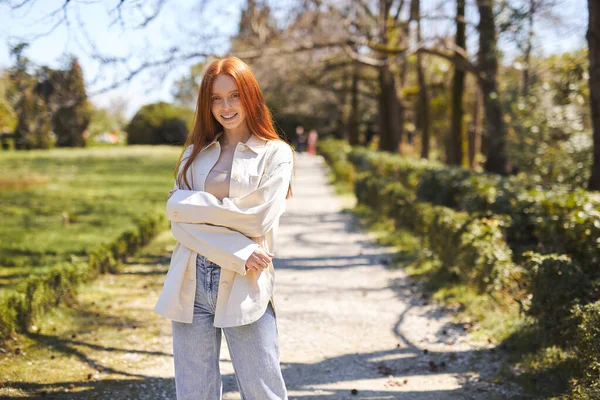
x=216, y=93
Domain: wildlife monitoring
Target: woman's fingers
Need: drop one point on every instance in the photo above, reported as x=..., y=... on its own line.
x=259, y=260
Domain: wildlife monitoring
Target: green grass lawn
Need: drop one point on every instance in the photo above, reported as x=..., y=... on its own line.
x=63, y=202
x=108, y=344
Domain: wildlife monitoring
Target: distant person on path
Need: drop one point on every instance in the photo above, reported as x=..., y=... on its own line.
x=300, y=139
x=231, y=186
x=311, y=142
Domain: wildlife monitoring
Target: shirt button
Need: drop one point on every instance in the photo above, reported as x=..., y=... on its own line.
x=175, y=213
x=243, y=148
x=224, y=284
x=235, y=177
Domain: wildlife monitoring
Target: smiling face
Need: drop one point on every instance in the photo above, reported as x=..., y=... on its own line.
x=226, y=105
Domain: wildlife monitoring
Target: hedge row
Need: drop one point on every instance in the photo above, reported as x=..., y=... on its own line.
x=479, y=227
x=557, y=221
x=40, y=293
x=470, y=249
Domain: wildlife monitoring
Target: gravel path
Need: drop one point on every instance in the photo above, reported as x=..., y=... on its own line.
x=350, y=328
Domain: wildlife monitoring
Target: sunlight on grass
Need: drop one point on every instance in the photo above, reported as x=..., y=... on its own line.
x=74, y=200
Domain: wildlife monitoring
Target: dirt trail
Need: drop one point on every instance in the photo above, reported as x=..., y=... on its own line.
x=349, y=327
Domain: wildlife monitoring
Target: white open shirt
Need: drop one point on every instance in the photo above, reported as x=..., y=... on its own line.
x=227, y=232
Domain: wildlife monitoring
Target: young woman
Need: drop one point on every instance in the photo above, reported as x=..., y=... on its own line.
x=231, y=186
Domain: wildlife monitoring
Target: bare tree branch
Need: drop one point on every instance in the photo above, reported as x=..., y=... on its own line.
x=399, y=10
x=151, y=64
x=152, y=16
x=251, y=54
x=367, y=10
x=365, y=60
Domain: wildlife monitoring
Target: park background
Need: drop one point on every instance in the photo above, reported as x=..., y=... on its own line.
x=468, y=126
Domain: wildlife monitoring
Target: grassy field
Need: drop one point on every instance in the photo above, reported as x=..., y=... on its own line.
x=61, y=203
x=109, y=344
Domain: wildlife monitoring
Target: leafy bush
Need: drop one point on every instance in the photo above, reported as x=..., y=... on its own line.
x=587, y=347
x=335, y=153
x=470, y=248
x=159, y=123
x=468, y=221
x=548, y=221
x=557, y=284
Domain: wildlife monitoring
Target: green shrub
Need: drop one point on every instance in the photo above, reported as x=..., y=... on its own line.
x=40, y=293
x=547, y=221
x=587, y=348
x=472, y=249
x=557, y=283
x=159, y=123
x=468, y=221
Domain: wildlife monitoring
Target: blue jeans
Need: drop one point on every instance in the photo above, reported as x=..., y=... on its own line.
x=254, y=348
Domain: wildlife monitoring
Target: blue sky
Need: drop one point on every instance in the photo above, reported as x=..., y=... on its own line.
x=113, y=40
x=183, y=16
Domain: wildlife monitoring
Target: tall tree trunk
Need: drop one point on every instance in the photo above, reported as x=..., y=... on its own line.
x=389, y=109
x=455, y=152
x=529, y=44
x=488, y=65
x=401, y=84
x=354, y=118
x=593, y=39
x=389, y=105
x=474, y=137
x=423, y=102
x=342, y=127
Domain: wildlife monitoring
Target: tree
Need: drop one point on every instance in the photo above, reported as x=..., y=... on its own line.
x=34, y=124
x=422, y=122
x=185, y=90
x=488, y=65
x=354, y=117
x=390, y=122
x=593, y=39
x=454, y=149
x=74, y=113
x=8, y=116
x=33, y=128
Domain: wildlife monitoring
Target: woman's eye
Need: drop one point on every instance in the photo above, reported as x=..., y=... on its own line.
x=216, y=99
x=235, y=96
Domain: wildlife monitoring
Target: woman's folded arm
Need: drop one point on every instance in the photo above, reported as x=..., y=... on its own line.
x=227, y=248
x=252, y=214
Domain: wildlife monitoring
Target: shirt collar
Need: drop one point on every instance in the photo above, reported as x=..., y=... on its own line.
x=254, y=143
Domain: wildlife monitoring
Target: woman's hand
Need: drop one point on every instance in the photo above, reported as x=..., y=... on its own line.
x=259, y=260
x=171, y=193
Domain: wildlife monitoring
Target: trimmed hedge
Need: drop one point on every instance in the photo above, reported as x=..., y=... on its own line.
x=558, y=284
x=547, y=221
x=40, y=293
x=470, y=248
x=480, y=225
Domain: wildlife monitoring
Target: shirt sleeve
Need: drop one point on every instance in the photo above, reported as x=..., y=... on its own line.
x=227, y=248
x=252, y=214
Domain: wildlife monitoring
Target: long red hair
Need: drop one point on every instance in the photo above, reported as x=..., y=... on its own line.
x=205, y=128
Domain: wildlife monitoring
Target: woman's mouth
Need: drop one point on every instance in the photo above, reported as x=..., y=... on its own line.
x=228, y=117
